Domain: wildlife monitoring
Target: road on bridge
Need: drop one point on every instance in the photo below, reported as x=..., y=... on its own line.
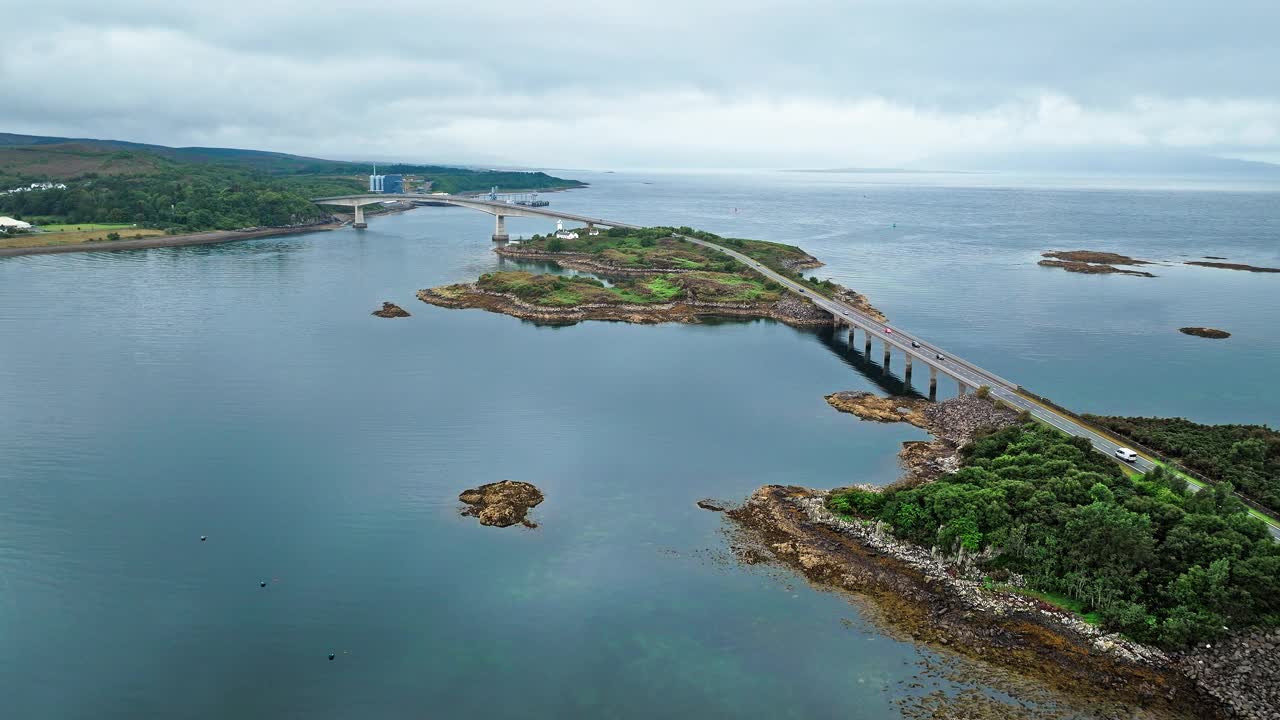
x=962, y=370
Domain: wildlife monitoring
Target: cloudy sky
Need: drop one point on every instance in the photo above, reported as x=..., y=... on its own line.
x=659, y=83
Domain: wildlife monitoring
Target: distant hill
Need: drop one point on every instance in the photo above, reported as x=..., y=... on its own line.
x=1168, y=163
x=37, y=157
x=195, y=188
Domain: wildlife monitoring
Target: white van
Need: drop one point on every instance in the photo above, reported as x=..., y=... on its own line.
x=1126, y=454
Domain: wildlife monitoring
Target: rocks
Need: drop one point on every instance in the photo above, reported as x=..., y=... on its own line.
x=502, y=504
x=1204, y=332
x=961, y=418
x=1234, y=266
x=1090, y=268
x=1242, y=672
x=391, y=310
x=1094, y=256
x=929, y=597
x=712, y=505
x=797, y=310
x=870, y=406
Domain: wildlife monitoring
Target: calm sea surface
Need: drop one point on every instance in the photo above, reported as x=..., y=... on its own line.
x=244, y=392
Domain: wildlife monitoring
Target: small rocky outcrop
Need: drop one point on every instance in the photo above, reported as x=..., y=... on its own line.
x=1234, y=266
x=1094, y=256
x=713, y=505
x=1092, y=262
x=794, y=309
x=870, y=406
x=502, y=504
x=1204, y=332
x=391, y=310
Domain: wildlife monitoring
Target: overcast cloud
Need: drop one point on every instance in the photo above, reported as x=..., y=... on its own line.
x=663, y=83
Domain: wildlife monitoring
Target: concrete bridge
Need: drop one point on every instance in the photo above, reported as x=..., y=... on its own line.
x=914, y=350
x=499, y=210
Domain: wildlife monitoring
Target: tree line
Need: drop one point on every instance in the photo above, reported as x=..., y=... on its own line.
x=1247, y=456
x=1153, y=560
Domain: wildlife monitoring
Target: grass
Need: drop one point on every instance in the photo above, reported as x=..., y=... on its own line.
x=72, y=238
x=562, y=291
x=73, y=227
x=1061, y=601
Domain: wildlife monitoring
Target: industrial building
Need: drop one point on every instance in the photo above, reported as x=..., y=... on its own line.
x=386, y=183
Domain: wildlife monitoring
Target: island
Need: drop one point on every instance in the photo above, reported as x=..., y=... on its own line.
x=1233, y=266
x=646, y=275
x=1092, y=262
x=502, y=504
x=1205, y=332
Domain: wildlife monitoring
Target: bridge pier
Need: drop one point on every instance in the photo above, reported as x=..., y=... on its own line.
x=885, y=366
x=866, y=349
x=359, y=223
x=933, y=383
x=964, y=389
x=500, y=229
x=906, y=373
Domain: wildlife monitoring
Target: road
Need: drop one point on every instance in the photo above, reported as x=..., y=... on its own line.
x=964, y=371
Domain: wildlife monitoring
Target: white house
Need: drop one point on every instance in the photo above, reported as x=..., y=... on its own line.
x=564, y=234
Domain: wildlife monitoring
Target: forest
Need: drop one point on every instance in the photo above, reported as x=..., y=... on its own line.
x=1247, y=456
x=1151, y=559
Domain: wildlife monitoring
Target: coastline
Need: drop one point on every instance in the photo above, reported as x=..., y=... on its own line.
x=949, y=603
x=212, y=237
x=790, y=310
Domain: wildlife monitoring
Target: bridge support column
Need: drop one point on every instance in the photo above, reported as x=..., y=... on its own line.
x=964, y=389
x=500, y=229
x=885, y=366
x=866, y=349
x=359, y=223
x=933, y=383
x=906, y=373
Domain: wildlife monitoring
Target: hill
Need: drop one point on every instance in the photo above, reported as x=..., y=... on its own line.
x=195, y=188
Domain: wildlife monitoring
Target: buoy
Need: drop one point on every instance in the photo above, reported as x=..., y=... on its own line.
x=203, y=538
x=331, y=656
x=262, y=584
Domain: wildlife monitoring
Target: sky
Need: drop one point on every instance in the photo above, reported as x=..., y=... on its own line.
x=621, y=84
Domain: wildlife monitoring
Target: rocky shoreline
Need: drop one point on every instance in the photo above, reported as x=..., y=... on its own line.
x=947, y=602
x=790, y=309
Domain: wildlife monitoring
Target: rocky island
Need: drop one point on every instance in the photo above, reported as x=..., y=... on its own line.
x=650, y=275
x=502, y=504
x=391, y=310
x=1234, y=266
x=1205, y=332
x=1092, y=262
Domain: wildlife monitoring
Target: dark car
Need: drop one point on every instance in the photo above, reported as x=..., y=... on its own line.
x=915, y=344
x=939, y=357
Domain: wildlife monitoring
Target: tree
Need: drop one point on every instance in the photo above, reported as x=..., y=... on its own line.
x=556, y=245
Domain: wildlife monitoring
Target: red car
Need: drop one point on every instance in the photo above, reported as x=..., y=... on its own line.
x=889, y=330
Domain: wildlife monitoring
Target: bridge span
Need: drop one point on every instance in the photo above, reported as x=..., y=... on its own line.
x=500, y=210
x=915, y=350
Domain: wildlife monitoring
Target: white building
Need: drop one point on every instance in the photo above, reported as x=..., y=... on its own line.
x=8, y=223
x=564, y=234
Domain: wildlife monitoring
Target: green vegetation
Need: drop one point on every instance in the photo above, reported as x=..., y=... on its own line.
x=639, y=249
x=563, y=291
x=1151, y=559
x=190, y=189
x=1247, y=456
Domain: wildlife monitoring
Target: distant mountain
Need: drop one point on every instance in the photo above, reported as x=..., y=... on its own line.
x=1122, y=162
